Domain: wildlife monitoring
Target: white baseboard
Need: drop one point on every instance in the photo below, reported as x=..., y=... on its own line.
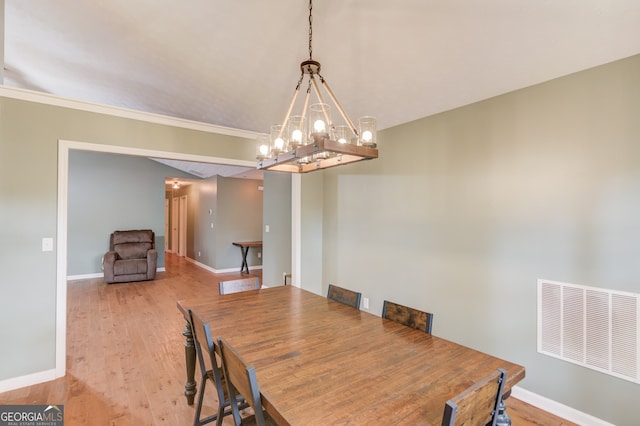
x=97, y=275
x=201, y=265
x=84, y=276
x=28, y=380
x=556, y=408
x=218, y=271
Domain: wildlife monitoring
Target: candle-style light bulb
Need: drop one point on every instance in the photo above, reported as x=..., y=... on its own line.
x=367, y=131
x=264, y=149
x=279, y=143
x=296, y=136
x=319, y=126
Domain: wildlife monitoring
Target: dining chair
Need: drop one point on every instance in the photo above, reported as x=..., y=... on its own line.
x=478, y=404
x=240, y=284
x=408, y=316
x=343, y=295
x=241, y=377
x=208, y=354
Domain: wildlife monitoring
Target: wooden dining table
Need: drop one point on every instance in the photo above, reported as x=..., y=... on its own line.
x=320, y=362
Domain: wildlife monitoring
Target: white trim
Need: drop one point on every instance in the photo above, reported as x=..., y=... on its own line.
x=98, y=275
x=84, y=276
x=49, y=99
x=28, y=380
x=61, y=267
x=296, y=232
x=555, y=408
x=141, y=152
x=218, y=271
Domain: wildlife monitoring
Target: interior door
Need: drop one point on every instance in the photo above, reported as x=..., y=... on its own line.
x=167, y=225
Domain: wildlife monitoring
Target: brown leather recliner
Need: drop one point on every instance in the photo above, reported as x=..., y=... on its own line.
x=131, y=257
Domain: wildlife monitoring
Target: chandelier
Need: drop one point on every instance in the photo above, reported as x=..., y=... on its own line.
x=312, y=140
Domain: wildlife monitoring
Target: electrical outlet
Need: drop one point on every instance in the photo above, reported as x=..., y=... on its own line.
x=365, y=303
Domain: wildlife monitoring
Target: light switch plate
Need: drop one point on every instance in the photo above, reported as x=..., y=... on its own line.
x=47, y=244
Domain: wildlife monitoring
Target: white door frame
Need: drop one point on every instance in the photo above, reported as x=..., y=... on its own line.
x=166, y=224
x=175, y=221
x=182, y=227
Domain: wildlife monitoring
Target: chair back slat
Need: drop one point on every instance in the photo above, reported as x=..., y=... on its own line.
x=408, y=316
x=478, y=404
x=343, y=295
x=240, y=284
x=208, y=356
x=200, y=330
x=241, y=377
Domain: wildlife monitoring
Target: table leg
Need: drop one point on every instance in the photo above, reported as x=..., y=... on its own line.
x=245, y=265
x=190, y=358
x=503, y=418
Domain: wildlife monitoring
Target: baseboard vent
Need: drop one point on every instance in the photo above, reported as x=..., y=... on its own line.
x=592, y=327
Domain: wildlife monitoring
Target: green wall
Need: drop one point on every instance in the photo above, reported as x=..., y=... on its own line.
x=109, y=192
x=239, y=219
x=312, y=231
x=464, y=211
x=201, y=198
x=238, y=210
x=277, y=214
x=221, y=210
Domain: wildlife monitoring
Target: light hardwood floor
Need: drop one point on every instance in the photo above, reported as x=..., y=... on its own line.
x=125, y=354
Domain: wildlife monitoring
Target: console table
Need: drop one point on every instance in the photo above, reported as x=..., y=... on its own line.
x=244, y=248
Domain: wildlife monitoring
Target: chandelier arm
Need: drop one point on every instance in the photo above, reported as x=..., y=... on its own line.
x=335, y=101
x=306, y=101
x=316, y=89
x=293, y=101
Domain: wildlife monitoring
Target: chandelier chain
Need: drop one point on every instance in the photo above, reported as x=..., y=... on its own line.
x=310, y=29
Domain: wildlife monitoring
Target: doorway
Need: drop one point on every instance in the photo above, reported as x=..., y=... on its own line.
x=64, y=147
x=179, y=225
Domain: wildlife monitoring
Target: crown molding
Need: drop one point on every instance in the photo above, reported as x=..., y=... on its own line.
x=49, y=99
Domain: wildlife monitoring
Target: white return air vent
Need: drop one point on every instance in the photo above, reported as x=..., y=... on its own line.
x=592, y=327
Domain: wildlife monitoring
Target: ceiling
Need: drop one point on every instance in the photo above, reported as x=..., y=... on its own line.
x=235, y=63
x=207, y=170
